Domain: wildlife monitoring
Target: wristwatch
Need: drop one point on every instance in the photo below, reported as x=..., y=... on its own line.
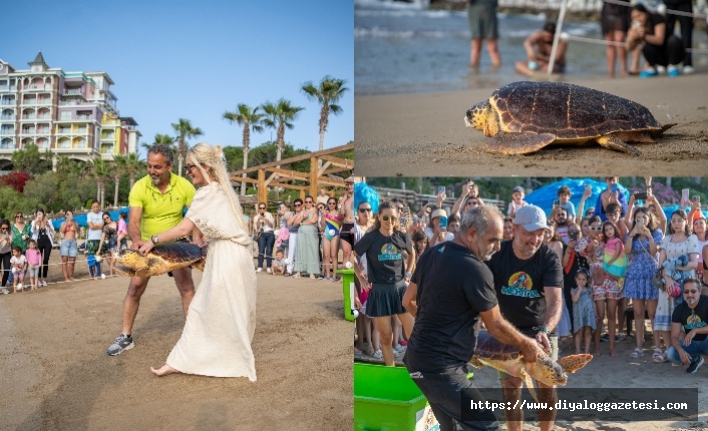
x=154, y=239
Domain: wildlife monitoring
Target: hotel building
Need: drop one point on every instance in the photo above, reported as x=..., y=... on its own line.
x=73, y=114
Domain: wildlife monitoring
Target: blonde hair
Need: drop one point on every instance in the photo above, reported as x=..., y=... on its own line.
x=205, y=156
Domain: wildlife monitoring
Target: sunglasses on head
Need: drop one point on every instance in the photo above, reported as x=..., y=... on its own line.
x=363, y=210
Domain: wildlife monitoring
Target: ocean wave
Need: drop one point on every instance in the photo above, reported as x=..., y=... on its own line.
x=399, y=13
x=385, y=33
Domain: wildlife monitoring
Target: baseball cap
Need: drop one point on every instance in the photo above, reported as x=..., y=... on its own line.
x=518, y=189
x=438, y=213
x=531, y=217
x=349, y=180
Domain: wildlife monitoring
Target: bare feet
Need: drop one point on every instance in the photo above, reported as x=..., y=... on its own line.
x=165, y=370
x=613, y=353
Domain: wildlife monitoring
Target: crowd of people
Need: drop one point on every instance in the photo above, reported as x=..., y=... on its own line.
x=626, y=28
x=570, y=275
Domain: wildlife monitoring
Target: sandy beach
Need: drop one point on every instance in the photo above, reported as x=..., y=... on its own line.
x=55, y=374
x=425, y=135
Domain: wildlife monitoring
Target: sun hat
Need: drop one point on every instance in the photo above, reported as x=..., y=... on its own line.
x=438, y=213
x=518, y=189
x=531, y=217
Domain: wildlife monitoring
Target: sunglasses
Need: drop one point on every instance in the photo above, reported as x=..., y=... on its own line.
x=298, y=205
x=690, y=291
x=386, y=218
x=18, y=216
x=188, y=167
x=261, y=208
x=332, y=203
x=364, y=210
x=595, y=227
x=308, y=202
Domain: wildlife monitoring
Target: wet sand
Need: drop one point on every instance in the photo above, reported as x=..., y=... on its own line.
x=425, y=135
x=55, y=374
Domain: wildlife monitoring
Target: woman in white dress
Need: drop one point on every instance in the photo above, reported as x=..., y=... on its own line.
x=221, y=321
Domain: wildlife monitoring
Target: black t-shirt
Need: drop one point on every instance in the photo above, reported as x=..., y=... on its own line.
x=519, y=284
x=384, y=255
x=692, y=319
x=453, y=288
x=654, y=20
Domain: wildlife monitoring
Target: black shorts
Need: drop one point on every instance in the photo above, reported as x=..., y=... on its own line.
x=345, y=233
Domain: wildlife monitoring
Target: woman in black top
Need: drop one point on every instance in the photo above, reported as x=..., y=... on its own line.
x=43, y=232
x=387, y=275
x=661, y=48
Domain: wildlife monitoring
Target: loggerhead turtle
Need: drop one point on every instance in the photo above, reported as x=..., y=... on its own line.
x=523, y=117
x=503, y=357
x=162, y=259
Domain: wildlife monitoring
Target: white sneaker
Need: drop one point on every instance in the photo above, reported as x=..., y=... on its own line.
x=687, y=70
x=269, y=271
x=6, y=291
x=660, y=69
x=259, y=270
x=378, y=354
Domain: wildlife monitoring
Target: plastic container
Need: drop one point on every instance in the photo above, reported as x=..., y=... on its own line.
x=347, y=289
x=386, y=399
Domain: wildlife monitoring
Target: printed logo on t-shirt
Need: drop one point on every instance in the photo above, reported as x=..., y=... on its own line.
x=693, y=322
x=520, y=284
x=389, y=252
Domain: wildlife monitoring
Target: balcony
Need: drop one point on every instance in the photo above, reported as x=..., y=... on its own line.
x=7, y=146
x=29, y=117
x=38, y=87
x=8, y=87
x=6, y=102
x=8, y=117
x=83, y=117
x=64, y=130
x=81, y=130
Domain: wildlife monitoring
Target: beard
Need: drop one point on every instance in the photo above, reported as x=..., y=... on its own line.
x=156, y=180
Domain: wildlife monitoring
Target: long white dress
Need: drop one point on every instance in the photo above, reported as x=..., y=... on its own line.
x=221, y=321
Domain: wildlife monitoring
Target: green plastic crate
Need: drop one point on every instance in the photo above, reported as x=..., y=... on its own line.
x=347, y=285
x=386, y=399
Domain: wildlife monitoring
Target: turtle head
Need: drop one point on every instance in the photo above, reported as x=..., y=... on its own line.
x=480, y=117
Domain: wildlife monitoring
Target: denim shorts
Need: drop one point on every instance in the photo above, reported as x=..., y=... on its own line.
x=33, y=271
x=69, y=248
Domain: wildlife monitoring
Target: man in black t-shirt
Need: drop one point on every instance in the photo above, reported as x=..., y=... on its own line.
x=528, y=279
x=692, y=315
x=447, y=304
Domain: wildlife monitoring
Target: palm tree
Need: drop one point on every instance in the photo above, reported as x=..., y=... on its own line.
x=279, y=116
x=328, y=93
x=117, y=170
x=184, y=131
x=98, y=169
x=133, y=165
x=250, y=120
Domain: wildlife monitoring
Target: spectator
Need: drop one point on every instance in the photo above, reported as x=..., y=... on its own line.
x=661, y=48
x=330, y=244
x=508, y=229
x=483, y=24
x=283, y=239
x=68, y=248
x=564, y=195
x=94, y=219
x=43, y=233
x=437, y=228
x=20, y=232
x=108, y=246
x=517, y=201
x=584, y=311
x=538, y=52
x=306, y=252
x=686, y=24
x=122, y=231
x=293, y=226
x=610, y=195
x=368, y=338
x=279, y=264
x=468, y=199
x=34, y=263
x=615, y=22
x=453, y=224
x=346, y=215
x=19, y=266
x=699, y=229
x=688, y=345
x=420, y=243
x=323, y=198
x=5, y=252
x=561, y=222
x=264, y=225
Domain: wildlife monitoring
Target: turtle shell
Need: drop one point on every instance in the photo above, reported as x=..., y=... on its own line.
x=161, y=259
x=179, y=252
x=489, y=347
x=569, y=111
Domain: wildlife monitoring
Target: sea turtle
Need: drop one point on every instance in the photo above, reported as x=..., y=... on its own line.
x=162, y=259
x=503, y=357
x=523, y=117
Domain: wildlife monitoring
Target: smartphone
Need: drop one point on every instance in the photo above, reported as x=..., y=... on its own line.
x=640, y=196
x=556, y=203
x=614, y=188
x=684, y=195
x=441, y=190
x=573, y=235
x=640, y=221
x=443, y=223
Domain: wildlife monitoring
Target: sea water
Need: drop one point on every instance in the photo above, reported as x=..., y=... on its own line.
x=404, y=47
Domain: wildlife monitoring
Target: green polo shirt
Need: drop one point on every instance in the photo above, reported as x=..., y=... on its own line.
x=161, y=211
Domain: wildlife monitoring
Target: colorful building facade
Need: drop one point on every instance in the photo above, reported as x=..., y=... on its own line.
x=71, y=114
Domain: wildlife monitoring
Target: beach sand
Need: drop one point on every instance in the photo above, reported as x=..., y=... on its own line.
x=425, y=135
x=55, y=374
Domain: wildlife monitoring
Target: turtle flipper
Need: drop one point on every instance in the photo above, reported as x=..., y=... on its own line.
x=476, y=362
x=612, y=142
x=125, y=272
x=518, y=143
x=573, y=363
x=528, y=381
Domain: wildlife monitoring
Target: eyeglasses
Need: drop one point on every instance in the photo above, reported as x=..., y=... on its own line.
x=188, y=167
x=364, y=210
x=595, y=227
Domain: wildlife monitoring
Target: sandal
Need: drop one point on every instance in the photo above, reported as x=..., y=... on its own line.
x=637, y=353
x=658, y=356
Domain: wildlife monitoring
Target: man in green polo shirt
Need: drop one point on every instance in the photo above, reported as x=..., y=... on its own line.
x=157, y=202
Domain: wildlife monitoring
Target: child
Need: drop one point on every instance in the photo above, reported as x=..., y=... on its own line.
x=34, y=261
x=94, y=266
x=18, y=262
x=122, y=231
x=584, y=316
x=279, y=263
x=517, y=201
x=564, y=202
x=614, y=266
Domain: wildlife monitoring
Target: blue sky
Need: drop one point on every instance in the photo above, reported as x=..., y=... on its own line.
x=196, y=59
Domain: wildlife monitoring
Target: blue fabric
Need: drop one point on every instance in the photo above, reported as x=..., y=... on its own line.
x=696, y=349
x=641, y=269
